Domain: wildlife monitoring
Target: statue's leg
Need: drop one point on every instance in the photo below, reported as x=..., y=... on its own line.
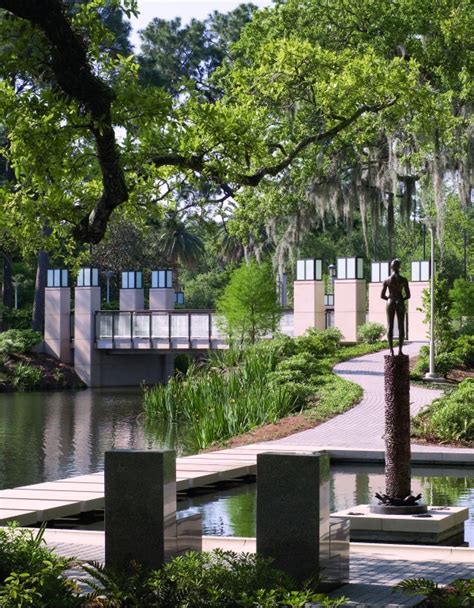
x=390, y=319
x=401, y=327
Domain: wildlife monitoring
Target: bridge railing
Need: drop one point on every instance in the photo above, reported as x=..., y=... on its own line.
x=157, y=329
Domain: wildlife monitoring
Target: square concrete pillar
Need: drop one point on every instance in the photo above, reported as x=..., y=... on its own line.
x=57, y=323
x=350, y=305
x=309, y=309
x=377, y=306
x=132, y=299
x=162, y=299
x=86, y=356
x=418, y=330
x=140, y=507
x=293, y=511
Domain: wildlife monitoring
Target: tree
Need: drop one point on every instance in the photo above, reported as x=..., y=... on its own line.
x=462, y=300
x=177, y=242
x=250, y=303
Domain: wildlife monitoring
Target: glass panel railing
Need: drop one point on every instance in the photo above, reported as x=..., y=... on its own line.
x=160, y=325
x=200, y=326
x=141, y=326
x=179, y=326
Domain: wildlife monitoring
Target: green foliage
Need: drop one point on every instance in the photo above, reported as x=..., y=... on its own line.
x=19, y=340
x=443, y=329
x=26, y=377
x=449, y=419
x=457, y=594
x=216, y=402
x=249, y=305
x=203, y=290
x=31, y=574
x=464, y=350
x=236, y=390
x=17, y=318
x=216, y=579
x=370, y=333
x=462, y=300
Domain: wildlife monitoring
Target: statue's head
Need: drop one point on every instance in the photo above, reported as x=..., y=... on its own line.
x=395, y=265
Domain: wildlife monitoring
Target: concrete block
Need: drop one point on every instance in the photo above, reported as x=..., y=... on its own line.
x=308, y=306
x=161, y=299
x=290, y=522
x=140, y=507
x=132, y=299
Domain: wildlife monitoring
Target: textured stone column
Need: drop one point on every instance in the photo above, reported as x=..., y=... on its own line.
x=140, y=507
x=293, y=511
x=397, y=426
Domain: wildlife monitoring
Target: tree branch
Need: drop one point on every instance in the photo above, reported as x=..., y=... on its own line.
x=74, y=75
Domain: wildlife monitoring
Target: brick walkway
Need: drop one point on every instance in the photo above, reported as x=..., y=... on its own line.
x=363, y=425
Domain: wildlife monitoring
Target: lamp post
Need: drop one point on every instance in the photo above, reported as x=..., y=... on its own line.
x=430, y=222
x=108, y=275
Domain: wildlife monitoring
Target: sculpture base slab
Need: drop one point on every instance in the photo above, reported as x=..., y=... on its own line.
x=445, y=526
x=401, y=510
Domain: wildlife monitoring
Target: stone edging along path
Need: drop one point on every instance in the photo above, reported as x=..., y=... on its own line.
x=363, y=425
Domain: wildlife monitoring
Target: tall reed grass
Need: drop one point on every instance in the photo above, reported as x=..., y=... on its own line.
x=227, y=395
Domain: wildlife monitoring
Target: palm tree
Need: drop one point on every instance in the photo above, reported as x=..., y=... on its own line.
x=178, y=243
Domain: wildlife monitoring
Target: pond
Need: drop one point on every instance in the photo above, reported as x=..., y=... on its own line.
x=231, y=512
x=48, y=436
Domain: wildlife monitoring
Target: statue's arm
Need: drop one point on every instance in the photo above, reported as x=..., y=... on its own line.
x=383, y=295
x=407, y=291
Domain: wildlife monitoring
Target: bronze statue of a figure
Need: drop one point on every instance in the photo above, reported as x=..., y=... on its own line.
x=398, y=292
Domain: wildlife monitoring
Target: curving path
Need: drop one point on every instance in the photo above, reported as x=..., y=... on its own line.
x=363, y=425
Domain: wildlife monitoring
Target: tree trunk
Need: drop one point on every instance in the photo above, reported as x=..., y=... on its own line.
x=8, y=293
x=397, y=427
x=38, y=302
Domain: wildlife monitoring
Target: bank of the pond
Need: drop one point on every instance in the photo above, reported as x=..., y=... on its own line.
x=23, y=368
x=263, y=392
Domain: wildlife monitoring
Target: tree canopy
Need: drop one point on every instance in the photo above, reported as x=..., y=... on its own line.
x=323, y=109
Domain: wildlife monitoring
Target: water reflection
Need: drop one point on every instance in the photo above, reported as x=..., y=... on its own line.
x=232, y=512
x=46, y=436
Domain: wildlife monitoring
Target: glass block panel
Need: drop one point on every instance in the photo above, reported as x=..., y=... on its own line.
x=87, y=277
x=141, y=326
x=169, y=279
x=95, y=277
x=376, y=272
x=300, y=270
x=105, y=325
x=139, y=281
x=123, y=324
x=57, y=278
x=154, y=279
x=341, y=268
x=200, y=326
x=424, y=271
x=215, y=326
x=360, y=268
x=179, y=326
x=50, y=279
x=80, y=278
x=124, y=280
x=161, y=278
x=64, y=278
x=415, y=271
x=160, y=326
x=309, y=270
x=318, y=272
x=351, y=268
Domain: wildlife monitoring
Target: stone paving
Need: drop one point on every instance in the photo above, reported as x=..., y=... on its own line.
x=363, y=425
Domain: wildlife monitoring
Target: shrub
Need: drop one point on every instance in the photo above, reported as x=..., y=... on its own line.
x=449, y=418
x=370, y=332
x=218, y=579
x=31, y=574
x=444, y=362
x=464, y=350
x=319, y=342
x=26, y=377
x=18, y=318
x=453, y=418
x=19, y=340
x=457, y=594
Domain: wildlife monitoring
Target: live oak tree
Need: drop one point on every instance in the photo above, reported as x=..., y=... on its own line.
x=315, y=99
